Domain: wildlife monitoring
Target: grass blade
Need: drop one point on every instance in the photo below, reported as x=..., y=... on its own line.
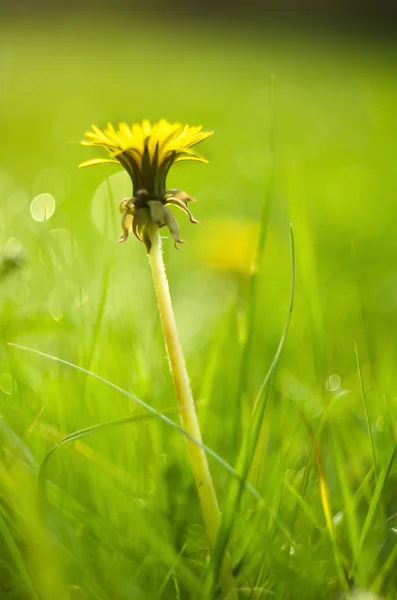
x=326, y=504
x=76, y=435
x=349, y=505
x=376, y=497
x=18, y=559
x=364, y=398
x=247, y=452
x=148, y=408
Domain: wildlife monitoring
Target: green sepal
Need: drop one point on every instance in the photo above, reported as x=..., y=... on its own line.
x=172, y=225
x=183, y=207
x=156, y=212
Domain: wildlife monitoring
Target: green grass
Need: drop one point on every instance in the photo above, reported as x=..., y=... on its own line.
x=120, y=518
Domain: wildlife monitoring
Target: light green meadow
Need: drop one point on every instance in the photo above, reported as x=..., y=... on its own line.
x=305, y=133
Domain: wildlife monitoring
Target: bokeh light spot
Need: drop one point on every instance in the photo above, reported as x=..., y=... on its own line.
x=55, y=306
x=53, y=181
x=333, y=383
x=42, y=207
x=337, y=518
x=13, y=248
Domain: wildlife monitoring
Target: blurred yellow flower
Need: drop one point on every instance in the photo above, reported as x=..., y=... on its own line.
x=229, y=245
x=147, y=152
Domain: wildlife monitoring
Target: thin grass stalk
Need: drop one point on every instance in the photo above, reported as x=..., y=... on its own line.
x=365, y=405
x=327, y=511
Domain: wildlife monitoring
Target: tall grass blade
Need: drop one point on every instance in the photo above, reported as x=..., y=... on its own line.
x=364, y=399
x=247, y=452
x=327, y=510
x=375, y=500
x=349, y=505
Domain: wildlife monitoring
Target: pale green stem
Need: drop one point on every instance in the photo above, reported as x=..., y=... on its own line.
x=187, y=410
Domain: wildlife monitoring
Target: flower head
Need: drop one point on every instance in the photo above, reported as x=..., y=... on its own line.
x=147, y=152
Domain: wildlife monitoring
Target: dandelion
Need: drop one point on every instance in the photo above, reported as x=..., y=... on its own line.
x=147, y=152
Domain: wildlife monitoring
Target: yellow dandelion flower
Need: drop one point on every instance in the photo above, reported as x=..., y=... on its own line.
x=147, y=152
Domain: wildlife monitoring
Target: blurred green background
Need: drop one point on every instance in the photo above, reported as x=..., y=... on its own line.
x=121, y=519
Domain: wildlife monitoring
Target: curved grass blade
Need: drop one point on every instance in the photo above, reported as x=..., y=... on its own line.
x=80, y=433
x=249, y=445
x=148, y=408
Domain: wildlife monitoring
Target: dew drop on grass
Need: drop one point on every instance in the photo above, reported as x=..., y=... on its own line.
x=333, y=383
x=54, y=306
x=6, y=383
x=80, y=297
x=42, y=207
x=338, y=518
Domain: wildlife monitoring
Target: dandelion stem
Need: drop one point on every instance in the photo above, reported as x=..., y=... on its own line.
x=187, y=410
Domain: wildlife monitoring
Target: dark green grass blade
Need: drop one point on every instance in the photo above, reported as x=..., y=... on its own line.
x=19, y=560
x=76, y=435
x=148, y=408
x=249, y=445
